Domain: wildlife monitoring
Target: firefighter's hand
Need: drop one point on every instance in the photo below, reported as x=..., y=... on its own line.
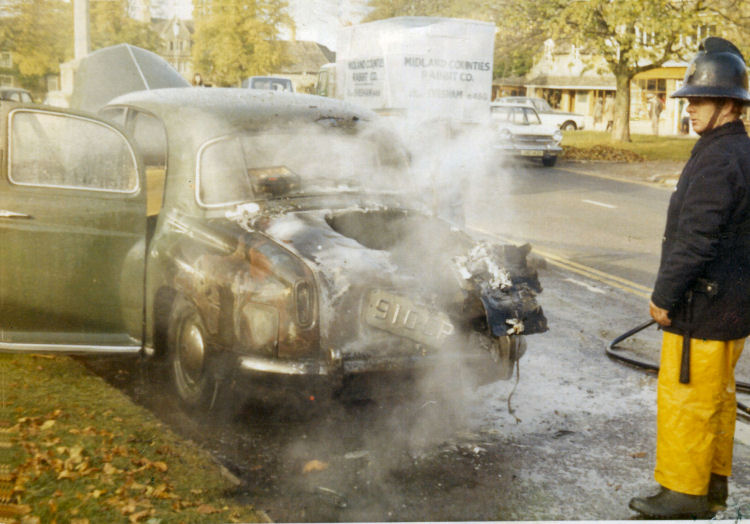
x=660, y=315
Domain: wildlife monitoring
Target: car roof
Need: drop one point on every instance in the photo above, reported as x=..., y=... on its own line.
x=511, y=104
x=267, y=78
x=209, y=112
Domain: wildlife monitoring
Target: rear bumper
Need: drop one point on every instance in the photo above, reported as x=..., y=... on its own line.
x=487, y=359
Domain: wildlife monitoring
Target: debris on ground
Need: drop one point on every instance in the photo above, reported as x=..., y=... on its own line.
x=600, y=152
x=314, y=465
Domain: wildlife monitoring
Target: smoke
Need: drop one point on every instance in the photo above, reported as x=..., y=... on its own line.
x=357, y=238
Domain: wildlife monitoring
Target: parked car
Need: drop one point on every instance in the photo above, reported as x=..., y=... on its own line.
x=239, y=234
x=15, y=94
x=549, y=116
x=520, y=132
x=273, y=83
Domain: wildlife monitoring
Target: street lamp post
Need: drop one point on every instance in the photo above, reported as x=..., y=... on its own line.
x=81, y=28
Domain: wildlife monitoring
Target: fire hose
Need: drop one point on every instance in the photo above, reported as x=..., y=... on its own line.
x=742, y=387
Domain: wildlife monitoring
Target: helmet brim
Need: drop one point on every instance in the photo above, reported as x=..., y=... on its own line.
x=693, y=91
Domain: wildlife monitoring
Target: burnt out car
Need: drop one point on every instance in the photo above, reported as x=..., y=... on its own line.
x=243, y=234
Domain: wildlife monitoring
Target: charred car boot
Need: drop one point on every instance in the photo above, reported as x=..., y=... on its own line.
x=718, y=491
x=668, y=504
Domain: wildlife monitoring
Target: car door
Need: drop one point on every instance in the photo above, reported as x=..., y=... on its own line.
x=72, y=208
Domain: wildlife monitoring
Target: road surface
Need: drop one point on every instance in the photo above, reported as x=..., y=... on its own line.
x=571, y=439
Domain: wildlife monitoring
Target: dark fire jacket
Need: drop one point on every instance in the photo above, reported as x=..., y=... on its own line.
x=704, y=273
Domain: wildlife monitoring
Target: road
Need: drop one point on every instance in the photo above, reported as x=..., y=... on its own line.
x=570, y=437
x=608, y=225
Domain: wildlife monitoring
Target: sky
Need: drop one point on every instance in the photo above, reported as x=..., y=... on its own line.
x=316, y=20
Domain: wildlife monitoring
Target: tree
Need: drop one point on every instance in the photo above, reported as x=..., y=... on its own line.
x=632, y=36
x=111, y=24
x=392, y=8
x=734, y=18
x=235, y=39
x=39, y=34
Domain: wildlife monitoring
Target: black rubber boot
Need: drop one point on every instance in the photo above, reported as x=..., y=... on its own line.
x=668, y=504
x=718, y=491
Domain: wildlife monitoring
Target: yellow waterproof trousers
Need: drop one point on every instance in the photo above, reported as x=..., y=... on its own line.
x=695, y=421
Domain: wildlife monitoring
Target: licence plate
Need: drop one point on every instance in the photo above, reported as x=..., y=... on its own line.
x=531, y=153
x=402, y=317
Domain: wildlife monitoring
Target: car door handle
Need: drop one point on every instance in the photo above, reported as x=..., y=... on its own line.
x=5, y=213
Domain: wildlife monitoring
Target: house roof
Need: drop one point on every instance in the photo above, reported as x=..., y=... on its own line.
x=305, y=56
x=568, y=82
x=510, y=81
x=162, y=26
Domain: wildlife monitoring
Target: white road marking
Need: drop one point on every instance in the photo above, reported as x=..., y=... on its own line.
x=584, y=284
x=601, y=204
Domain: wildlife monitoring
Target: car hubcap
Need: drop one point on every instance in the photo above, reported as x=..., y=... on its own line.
x=192, y=351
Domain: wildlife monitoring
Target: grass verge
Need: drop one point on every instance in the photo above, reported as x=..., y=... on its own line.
x=647, y=147
x=74, y=449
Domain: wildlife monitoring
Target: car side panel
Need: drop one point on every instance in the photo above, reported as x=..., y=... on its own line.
x=64, y=236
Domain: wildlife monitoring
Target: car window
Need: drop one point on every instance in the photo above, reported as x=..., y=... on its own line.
x=116, y=115
x=518, y=116
x=26, y=98
x=530, y=116
x=542, y=105
x=500, y=113
x=222, y=173
x=274, y=84
x=66, y=151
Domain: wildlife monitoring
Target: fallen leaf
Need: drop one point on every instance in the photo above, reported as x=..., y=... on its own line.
x=109, y=469
x=314, y=465
x=66, y=474
x=206, y=509
x=639, y=455
x=136, y=517
x=47, y=425
x=161, y=466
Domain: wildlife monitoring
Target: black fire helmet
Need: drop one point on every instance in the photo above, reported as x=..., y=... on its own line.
x=717, y=71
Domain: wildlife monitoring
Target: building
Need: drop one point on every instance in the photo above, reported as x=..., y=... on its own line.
x=304, y=60
x=7, y=74
x=571, y=80
x=177, y=44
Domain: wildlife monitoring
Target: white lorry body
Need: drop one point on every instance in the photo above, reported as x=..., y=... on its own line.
x=423, y=67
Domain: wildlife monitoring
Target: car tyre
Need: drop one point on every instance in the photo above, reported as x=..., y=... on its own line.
x=189, y=356
x=549, y=161
x=569, y=126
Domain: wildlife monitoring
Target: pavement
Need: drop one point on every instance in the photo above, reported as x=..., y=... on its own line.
x=656, y=172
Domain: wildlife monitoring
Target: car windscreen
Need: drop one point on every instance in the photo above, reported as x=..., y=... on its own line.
x=275, y=84
x=500, y=113
x=299, y=160
x=525, y=116
x=542, y=105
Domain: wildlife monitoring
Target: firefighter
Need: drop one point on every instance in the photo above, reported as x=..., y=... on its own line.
x=701, y=297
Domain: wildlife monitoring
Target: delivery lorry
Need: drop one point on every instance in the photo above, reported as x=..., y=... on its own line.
x=420, y=66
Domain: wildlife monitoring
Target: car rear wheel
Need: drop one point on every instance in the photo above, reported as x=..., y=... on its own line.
x=189, y=356
x=549, y=161
x=569, y=126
